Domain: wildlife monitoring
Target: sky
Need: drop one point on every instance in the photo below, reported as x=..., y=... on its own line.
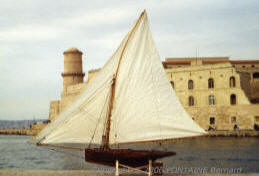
x=34, y=34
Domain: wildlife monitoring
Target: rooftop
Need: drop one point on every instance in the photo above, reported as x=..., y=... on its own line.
x=73, y=50
x=205, y=60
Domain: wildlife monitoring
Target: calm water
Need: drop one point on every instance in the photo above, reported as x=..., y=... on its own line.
x=209, y=153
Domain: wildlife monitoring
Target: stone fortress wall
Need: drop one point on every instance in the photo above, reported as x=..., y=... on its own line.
x=223, y=105
x=214, y=92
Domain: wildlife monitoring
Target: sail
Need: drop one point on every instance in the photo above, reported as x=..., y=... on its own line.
x=145, y=106
x=85, y=117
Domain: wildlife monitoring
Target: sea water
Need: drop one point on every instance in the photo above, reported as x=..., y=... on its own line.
x=200, y=155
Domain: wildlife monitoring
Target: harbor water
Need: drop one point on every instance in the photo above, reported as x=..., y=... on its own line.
x=215, y=154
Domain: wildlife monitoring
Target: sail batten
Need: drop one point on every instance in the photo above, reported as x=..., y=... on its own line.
x=145, y=107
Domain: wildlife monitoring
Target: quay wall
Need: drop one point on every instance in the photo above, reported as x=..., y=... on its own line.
x=237, y=133
x=217, y=133
x=17, y=131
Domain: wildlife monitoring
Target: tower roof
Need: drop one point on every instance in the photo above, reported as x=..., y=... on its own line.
x=72, y=50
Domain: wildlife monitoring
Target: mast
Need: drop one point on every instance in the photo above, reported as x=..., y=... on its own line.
x=111, y=101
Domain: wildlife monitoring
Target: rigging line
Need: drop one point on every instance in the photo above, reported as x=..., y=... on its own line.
x=61, y=146
x=85, y=112
x=107, y=109
x=107, y=115
x=58, y=125
x=67, y=153
x=63, y=152
x=48, y=148
x=65, y=121
x=106, y=100
x=89, y=99
x=91, y=119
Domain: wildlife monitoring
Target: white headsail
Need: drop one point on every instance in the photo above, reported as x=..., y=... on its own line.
x=145, y=105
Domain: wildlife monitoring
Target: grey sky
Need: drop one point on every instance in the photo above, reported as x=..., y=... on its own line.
x=34, y=34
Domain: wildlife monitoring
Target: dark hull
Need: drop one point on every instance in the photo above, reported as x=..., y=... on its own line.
x=133, y=158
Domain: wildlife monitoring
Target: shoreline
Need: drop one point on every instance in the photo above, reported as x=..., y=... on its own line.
x=19, y=131
x=236, y=133
x=219, y=133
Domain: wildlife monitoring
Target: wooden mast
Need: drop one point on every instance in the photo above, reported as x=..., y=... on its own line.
x=111, y=101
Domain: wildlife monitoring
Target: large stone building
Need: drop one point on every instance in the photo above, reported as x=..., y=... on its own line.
x=217, y=92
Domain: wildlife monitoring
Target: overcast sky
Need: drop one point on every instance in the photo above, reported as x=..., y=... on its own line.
x=34, y=34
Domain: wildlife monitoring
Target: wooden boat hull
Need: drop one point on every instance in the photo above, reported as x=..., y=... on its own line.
x=133, y=158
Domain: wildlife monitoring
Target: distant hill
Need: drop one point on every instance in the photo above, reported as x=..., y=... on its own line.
x=17, y=123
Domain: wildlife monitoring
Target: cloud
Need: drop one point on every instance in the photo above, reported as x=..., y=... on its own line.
x=59, y=27
x=34, y=34
x=29, y=32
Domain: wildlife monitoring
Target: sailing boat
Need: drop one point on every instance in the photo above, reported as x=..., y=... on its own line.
x=129, y=101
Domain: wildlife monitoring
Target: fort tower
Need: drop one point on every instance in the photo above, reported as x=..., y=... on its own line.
x=73, y=70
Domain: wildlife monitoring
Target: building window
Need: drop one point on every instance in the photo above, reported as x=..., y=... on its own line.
x=190, y=84
x=191, y=101
x=211, y=100
x=232, y=81
x=212, y=120
x=233, y=99
x=252, y=66
x=257, y=119
x=172, y=84
x=256, y=75
x=233, y=119
x=211, y=83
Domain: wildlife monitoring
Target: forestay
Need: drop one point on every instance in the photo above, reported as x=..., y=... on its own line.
x=145, y=105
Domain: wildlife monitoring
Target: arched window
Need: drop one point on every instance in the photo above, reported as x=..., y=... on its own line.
x=233, y=119
x=191, y=101
x=232, y=81
x=211, y=83
x=212, y=120
x=172, y=84
x=211, y=100
x=190, y=84
x=233, y=99
x=256, y=75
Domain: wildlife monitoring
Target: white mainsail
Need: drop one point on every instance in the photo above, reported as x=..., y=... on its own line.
x=145, y=106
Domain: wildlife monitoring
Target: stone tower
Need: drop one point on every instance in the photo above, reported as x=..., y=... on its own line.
x=73, y=69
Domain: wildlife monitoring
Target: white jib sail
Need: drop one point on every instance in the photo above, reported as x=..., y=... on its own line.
x=145, y=105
